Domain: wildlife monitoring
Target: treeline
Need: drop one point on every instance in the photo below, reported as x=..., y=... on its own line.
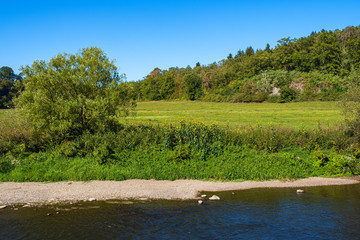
x=10, y=86
x=321, y=66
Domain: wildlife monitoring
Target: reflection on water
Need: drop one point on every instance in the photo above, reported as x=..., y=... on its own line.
x=319, y=213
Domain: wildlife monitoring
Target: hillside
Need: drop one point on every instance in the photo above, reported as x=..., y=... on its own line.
x=320, y=66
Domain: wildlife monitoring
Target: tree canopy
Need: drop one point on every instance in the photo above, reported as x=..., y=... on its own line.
x=192, y=86
x=10, y=85
x=320, y=66
x=74, y=93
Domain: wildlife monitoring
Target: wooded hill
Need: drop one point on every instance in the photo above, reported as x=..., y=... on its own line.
x=320, y=66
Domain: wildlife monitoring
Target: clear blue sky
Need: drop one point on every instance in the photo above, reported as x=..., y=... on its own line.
x=142, y=35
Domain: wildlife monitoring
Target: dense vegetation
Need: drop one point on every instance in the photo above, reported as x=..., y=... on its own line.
x=188, y=149
x=191, y=149
x=321, y=66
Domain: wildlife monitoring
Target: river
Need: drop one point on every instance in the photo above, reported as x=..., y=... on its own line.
x=331, y=212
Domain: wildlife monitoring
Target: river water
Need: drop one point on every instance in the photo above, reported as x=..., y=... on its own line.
x=331, y=212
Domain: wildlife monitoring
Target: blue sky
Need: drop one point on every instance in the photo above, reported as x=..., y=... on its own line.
x=142, y=35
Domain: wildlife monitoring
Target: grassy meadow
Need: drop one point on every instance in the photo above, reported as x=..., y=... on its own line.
x=295, y=115
x=188, y=140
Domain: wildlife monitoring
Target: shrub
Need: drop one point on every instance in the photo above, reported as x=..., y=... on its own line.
x=205, y=139
x=287, y=94
x=5, y=165
x=273, y=99
x=241, y=97
x=332, y=163
x=260, y=97
x=74, y=94
x=350, y=106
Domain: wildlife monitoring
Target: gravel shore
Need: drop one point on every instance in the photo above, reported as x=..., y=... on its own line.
x=18, y=193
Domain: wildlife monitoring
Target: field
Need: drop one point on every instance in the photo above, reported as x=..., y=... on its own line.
x=295, y=115
x=299, y=114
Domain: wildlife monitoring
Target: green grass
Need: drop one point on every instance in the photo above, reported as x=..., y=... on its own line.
x=235, y=164
x=296, y=115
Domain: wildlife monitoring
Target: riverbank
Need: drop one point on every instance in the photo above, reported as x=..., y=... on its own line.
x=42, y=193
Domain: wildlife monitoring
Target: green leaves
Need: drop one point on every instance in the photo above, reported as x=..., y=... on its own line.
x=73, y=94
x=350, y=106
x=193, y=86
x=10, y=85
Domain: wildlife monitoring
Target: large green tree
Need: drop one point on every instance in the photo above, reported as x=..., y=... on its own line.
x=7, y=73
x=73, y=94
x=10, y=85
x=193, y=86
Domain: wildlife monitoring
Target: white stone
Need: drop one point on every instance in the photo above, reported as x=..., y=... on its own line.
x=214, y=197
x=299, y=191
x=203, y=196
x=200, y=202
x=3, y=206
x=92, y=199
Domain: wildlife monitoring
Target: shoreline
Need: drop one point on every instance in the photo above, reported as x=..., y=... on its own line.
x=12, y=193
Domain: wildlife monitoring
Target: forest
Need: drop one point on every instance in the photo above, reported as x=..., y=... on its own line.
x=320, y=66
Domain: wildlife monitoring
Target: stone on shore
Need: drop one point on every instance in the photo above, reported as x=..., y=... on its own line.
x=214, y=197
x=91, y=199
x=3, y=206
x=299, y=191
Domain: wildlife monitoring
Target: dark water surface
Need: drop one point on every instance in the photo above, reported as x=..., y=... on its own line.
x=320, y=213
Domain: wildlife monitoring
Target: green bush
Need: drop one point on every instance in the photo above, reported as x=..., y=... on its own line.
x=242, y=97
x=350, y=106
x=287, y=94
x=330, y=163
x=260, y=97
x=273, y=99
x=74, y=94
x=5, y=165
x=182, y=152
